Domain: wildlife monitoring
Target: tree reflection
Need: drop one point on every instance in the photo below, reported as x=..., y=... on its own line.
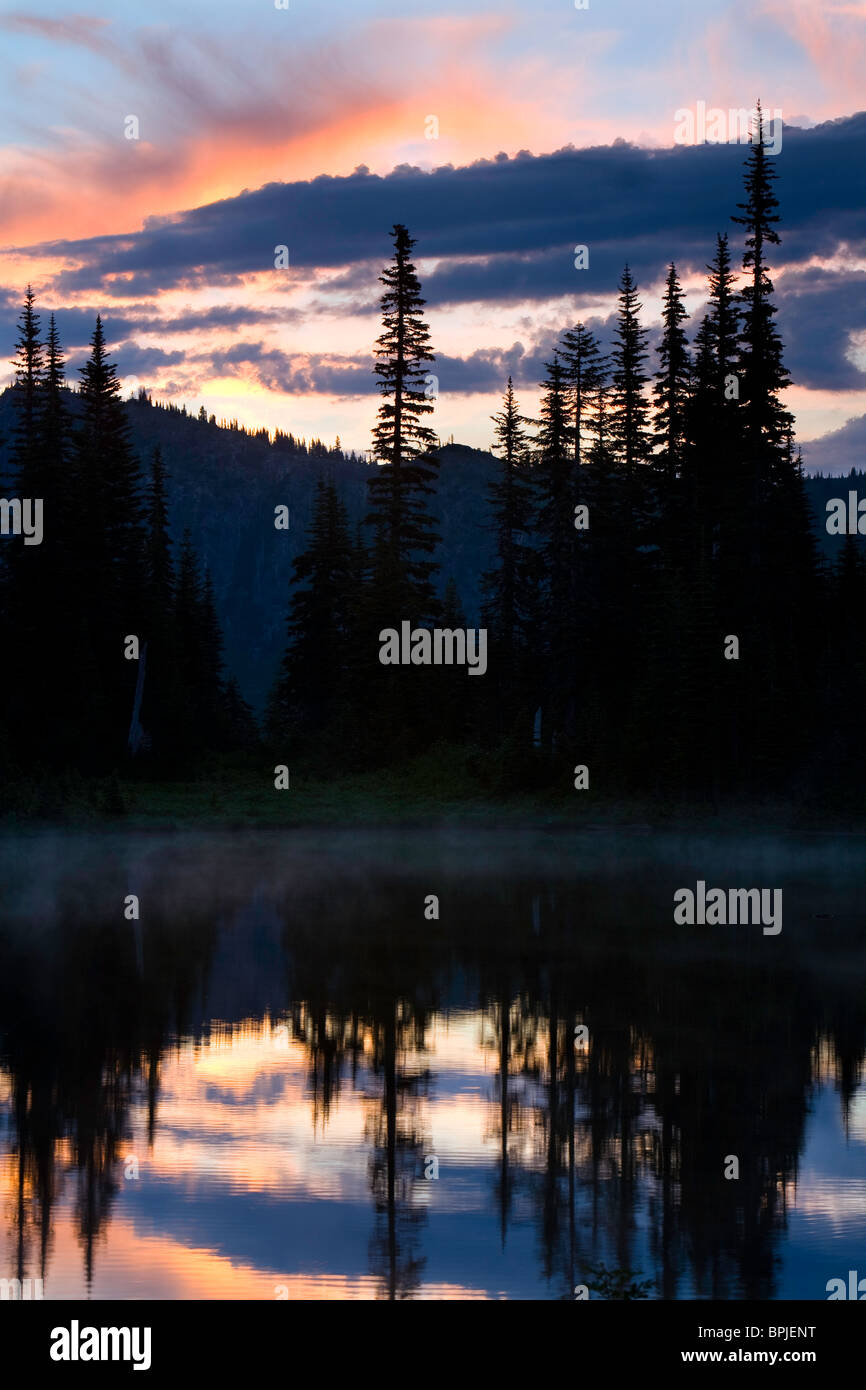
x=698, y=1050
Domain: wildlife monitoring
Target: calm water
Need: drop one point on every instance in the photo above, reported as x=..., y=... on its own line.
x=249, y=1092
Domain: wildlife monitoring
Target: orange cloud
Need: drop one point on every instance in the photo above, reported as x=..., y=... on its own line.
x=212, y=122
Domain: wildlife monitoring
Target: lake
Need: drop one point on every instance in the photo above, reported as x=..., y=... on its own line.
x=428, y=1064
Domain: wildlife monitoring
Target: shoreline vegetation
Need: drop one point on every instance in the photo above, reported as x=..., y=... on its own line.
x=445, y=787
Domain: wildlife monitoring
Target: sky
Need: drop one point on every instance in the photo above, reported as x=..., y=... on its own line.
x=153, y=159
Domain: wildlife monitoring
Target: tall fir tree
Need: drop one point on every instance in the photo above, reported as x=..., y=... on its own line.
x=56, y=430
x=721, y=326
x=764, y=374
x=619, y=537
x=511, y=508
x=24, y=582
x=584, y=369
x=766, y=523
x=29, y=380
x=671, y=392
x=39, y=597
x=403, y=443
x=672, y=384
x=108, y=559
x=553, y=473
x=712, y=477
x=109, y=487
x=629, y=427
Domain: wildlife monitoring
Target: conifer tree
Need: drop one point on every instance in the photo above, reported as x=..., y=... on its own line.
x=671, y=389
x=29, y=381
x=767, y=558
x=630, y=409
x=721, y=326
x=56, y=428
x=764, y=373
x=511, y=503
x=584, y=367
x=403, y=443
x=107, y=564
x=713, y=492
x=509, y=588
x=311, y=687
x=553, y=471
x=109, y=484
x=615, y=583
x=50, y=589
x=672, y=393
x=26, y=588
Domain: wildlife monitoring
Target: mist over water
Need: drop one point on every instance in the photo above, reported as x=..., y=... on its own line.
x=242, y=1093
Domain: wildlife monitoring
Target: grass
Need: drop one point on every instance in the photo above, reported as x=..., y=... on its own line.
x=388, y=797
x=444, y=786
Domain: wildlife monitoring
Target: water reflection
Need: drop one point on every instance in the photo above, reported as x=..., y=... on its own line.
x=284, y=1081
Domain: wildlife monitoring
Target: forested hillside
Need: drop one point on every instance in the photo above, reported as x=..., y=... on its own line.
x=224, y=484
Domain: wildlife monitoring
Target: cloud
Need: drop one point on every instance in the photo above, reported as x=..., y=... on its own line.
x=77, y=30
x=840, y=450
x=219, y=111
x=135, y=360
x=498, y=233
x=500, y=228
x=484, y=371
x=821, y=310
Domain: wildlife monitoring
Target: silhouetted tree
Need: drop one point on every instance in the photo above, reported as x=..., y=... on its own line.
x=766, y=421
x=509, y=589
x=584, y=369
x=630, y=408
x=312, y=684
x=403, y=443
x=672, y=384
